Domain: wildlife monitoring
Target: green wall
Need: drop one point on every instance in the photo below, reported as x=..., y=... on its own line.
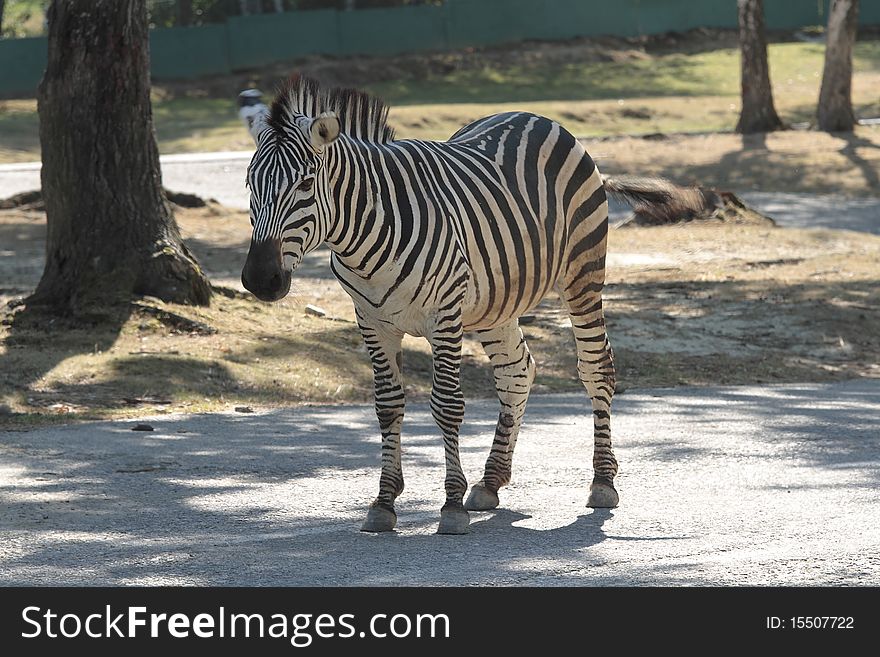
x=22, y=62
x=247, y=42
x=391, y=31
x=257, y=40
x=190, y=52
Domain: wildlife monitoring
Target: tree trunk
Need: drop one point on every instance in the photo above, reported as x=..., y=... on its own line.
x=111, y=233
x=835, y=98
x=2, y=7
x=758, y=113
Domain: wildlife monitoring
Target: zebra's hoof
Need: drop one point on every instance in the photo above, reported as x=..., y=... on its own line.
x=454, y=519
x=602, y=496
x=379, y=519
x=481, y=499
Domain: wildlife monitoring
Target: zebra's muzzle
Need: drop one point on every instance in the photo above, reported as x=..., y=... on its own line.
x=264, y=274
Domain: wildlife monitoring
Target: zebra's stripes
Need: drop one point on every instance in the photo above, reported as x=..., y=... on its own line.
x=434, y=239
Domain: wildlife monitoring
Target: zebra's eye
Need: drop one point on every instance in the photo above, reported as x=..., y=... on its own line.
x=306, y=184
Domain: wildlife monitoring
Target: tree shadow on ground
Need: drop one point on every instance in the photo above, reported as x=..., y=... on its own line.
x=733, y=168
x=277, y=498
x=177, y=505
x=810, y=429
x=37, y=340
x=758, y=164
x=867, y=169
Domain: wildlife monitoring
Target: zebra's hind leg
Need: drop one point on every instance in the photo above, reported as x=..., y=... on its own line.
x=514, y=370
x=447, y=407
x=384, y=348
x=596, y=372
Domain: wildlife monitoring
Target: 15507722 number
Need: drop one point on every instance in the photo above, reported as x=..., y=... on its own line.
x=821, y=622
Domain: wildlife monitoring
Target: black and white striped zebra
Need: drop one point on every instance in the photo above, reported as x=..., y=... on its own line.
x=436, y=239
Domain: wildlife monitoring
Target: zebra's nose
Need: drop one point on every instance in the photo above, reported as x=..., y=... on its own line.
x=264, y=273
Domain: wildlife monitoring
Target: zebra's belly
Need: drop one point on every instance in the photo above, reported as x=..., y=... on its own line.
x=489, y=300
x=495, y=298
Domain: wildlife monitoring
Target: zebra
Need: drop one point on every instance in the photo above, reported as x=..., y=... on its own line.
x=434, y=239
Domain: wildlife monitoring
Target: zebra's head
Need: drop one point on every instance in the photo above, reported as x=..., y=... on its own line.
x=290, y=200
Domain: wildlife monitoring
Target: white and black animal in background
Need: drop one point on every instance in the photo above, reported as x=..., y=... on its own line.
x=438, y=239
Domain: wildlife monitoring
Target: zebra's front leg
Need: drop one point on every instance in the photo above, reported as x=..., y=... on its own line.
x=447, y=407
x=384, y=347
x=514, y=370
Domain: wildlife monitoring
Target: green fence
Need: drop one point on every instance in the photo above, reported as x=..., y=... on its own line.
x=247, y=42
x=22, y=62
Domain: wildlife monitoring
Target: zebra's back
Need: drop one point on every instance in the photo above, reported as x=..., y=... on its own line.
x=532, y=196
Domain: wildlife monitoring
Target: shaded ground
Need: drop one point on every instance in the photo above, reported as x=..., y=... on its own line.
x=766, y=485
x=789, y=161
x=695, y=304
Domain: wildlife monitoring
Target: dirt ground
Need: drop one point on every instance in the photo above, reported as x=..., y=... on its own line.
x=695, y=304
x=804, y=161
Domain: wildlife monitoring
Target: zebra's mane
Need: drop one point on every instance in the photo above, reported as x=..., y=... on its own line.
x=361, y=115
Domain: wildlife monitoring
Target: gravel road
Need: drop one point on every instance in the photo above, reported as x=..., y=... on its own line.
x=733, y=486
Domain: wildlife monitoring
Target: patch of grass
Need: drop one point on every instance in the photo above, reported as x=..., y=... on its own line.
x=794, y=68
x=19, y=131
x=24, y=18
x=669, y=75
x=187, y=125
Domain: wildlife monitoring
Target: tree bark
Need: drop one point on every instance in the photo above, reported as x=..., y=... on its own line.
x=2, y=7
x=111, y=233
x=758, y=113
x=835, y=97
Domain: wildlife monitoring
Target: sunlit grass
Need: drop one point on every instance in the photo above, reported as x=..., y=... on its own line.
x=714, y=73
x=24, y=18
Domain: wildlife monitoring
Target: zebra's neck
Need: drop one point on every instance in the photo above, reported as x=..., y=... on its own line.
x=360, y=187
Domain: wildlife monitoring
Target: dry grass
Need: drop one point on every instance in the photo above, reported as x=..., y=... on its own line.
x=693, y=304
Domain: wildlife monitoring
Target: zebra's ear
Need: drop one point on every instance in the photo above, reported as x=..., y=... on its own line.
x=324, y=129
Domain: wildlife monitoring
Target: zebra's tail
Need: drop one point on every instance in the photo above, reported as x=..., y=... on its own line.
x=658, y=198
